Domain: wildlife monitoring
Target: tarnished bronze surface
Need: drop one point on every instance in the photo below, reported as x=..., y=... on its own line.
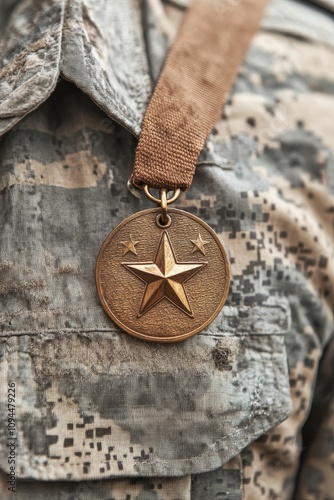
x=162, y=284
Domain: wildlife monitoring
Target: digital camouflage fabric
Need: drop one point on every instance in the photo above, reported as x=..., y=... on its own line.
x=243, y=410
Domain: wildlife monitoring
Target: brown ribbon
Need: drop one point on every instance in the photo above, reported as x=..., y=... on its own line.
x=196, y=78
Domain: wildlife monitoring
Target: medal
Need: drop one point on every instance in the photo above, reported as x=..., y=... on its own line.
x=163, y=275
x=162, y=282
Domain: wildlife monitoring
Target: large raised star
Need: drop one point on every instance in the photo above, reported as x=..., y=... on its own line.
x=165, y=278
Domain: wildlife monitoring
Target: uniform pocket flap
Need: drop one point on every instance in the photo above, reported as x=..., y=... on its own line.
x=96, y=405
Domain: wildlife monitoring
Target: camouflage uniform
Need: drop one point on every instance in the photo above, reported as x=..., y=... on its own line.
x=243, y=410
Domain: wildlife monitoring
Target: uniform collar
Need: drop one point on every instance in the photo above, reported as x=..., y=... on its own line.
x=100, y=46
x=96, y=44
x=104, y=54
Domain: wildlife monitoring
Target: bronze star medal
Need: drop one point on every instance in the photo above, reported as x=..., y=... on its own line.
x=173, y=281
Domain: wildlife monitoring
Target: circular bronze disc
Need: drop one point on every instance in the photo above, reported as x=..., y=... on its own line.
x=162, y=284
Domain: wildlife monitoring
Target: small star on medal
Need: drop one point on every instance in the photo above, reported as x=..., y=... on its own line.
x=199, y=244
x=130, y=246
